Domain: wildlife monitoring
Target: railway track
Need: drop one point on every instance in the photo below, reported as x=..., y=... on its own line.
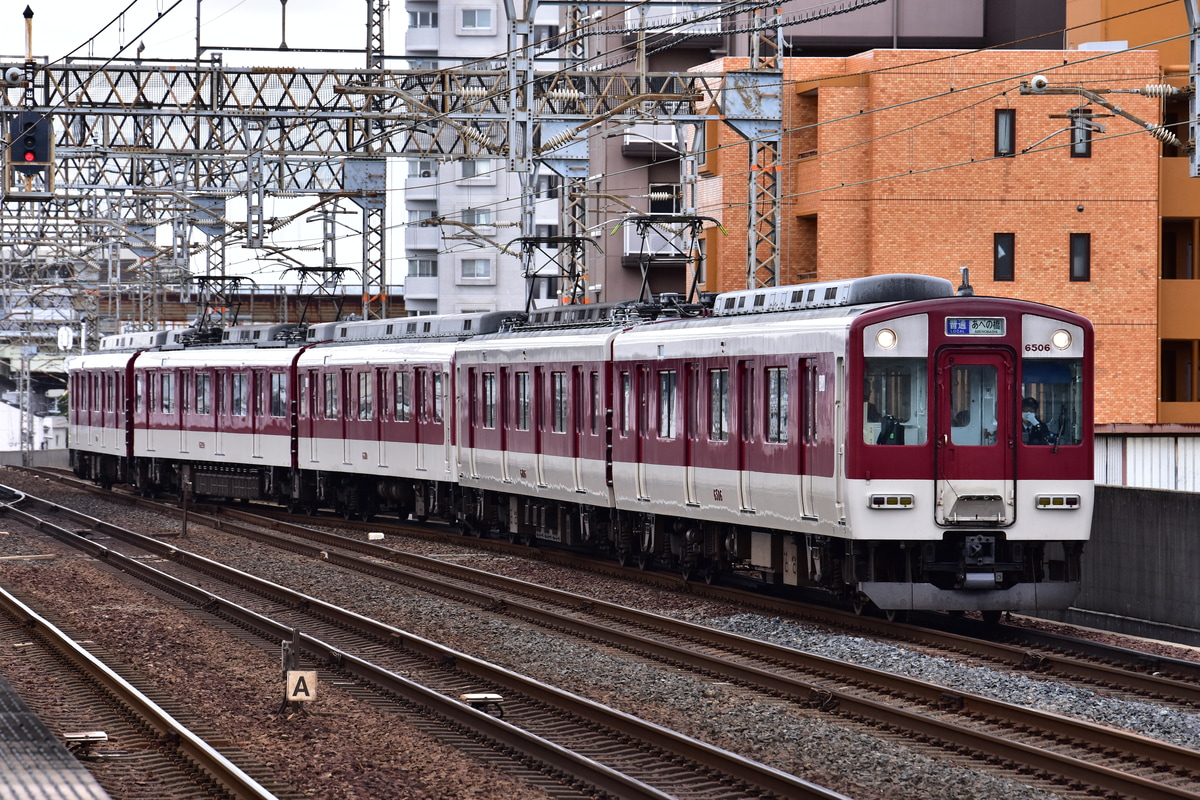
x=132, y=741
x=575, y=739
x=1047, y=744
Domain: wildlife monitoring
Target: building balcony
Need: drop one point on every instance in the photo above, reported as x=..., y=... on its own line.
x=423, y=237
x=421, y=40
x=662, y=246
x=1177, y=196
x=650, y=141
x=421, y=288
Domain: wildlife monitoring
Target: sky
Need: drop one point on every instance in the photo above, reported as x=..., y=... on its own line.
x=98, y=29
x=168, y=29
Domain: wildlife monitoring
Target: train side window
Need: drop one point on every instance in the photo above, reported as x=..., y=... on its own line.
x=522, y=389
x=667, y=382
x=810, y=402
x=558, y=384
x=167, y=385
x=278, y=394
x=438, y=401
x=718, y=405
x=331, y=396
x=403, y=401
x=203, y=393
x=777, y=405
x=595, y=403
x=626, y=398
x=895, y=401
x=366, y=396
x=237, y=400
x=489, y=399
x=110, y=391
x=137, y=392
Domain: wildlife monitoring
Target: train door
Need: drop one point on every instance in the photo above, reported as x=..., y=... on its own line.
x=473, y=414
x=185, y=378
x=379, y=381
x=808, y=435
x=641, y=392
x=974, y=426
x=746, y=414
x=111, y=422
x=575, y=425
x=692, y=403
x=539, y=423
x=258, y=383
x=420, y=414
x=219, y=411
x=503, y=420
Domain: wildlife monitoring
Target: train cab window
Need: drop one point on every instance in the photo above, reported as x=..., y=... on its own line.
x=558, y=383
x=718, y=405
x=973, y=404
x=331, y=396
x=1052, y=402
x=777, y=405
x=238, y=394
x=895, y=402
x=489, y=399
x=167, y=384
x=438, y=400
x=203, y=393
x=278, y=394
x=403, y=402
x=667, y=383
x=366, y=396
x=522, y=390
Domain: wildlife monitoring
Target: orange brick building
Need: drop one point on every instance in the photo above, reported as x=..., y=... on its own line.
x=931, y=161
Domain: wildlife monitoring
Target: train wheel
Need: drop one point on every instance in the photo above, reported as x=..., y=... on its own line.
x=644, y=560
x=859, y=604
x=896, y=615
x=991, y=617
x=624, y=557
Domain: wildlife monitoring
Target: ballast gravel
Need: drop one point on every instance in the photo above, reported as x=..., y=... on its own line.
x=794, y=739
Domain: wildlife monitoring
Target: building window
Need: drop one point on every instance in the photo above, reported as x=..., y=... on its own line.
x=718, y=405
x=666, y=404
x=777, y=405
x=489, y=399
x=558, y=382
x=1002, y=256
x=422, y=268
x=278, y=394
x=548, y=187
x=1081, y=135
x=422, y=19
x=417, y=215
x=476, y=19
x=1006, y=131
x=477, y=216
x=477, y=168
x=476, y=269
x=1081, y=256
x=422, y=167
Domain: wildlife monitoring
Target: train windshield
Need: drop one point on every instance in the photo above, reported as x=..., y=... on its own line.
x=1052, y=402
x=895, y=402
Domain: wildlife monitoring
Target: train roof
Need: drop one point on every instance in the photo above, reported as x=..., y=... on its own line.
x=443, y=327
x=896, y=288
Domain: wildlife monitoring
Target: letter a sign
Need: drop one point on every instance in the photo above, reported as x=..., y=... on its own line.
x=301, y=686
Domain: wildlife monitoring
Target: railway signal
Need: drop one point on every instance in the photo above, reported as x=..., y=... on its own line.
x=30, y=142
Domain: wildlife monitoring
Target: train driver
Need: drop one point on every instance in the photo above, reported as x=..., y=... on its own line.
x=1033, y=430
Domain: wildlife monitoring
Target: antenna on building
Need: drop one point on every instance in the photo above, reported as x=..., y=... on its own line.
x=964, y=288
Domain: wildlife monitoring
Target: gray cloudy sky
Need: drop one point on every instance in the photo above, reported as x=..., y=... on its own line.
x=61, y=26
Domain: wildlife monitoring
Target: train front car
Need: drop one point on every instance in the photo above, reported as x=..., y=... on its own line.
x=969, y=471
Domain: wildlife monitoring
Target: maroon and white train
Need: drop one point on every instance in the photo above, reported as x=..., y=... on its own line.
x=865, y=436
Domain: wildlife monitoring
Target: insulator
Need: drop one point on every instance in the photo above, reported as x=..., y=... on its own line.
x=1160, y=90
x=474, y=91
x=560, y=139
x=1164, y=135
x=474, y=135
x=662, y=195
x=570, y=93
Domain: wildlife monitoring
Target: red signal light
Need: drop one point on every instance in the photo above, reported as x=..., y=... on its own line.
x=29, y=156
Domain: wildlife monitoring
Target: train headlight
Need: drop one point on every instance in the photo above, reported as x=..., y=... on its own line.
x=1061, y=339
x=886, y=339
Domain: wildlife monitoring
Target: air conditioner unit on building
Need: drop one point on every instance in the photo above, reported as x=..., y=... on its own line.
x=426, y=174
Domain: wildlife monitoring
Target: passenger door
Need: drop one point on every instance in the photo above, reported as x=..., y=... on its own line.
x=974, y=425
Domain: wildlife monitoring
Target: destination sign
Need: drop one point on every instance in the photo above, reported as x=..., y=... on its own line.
x=975, y=326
